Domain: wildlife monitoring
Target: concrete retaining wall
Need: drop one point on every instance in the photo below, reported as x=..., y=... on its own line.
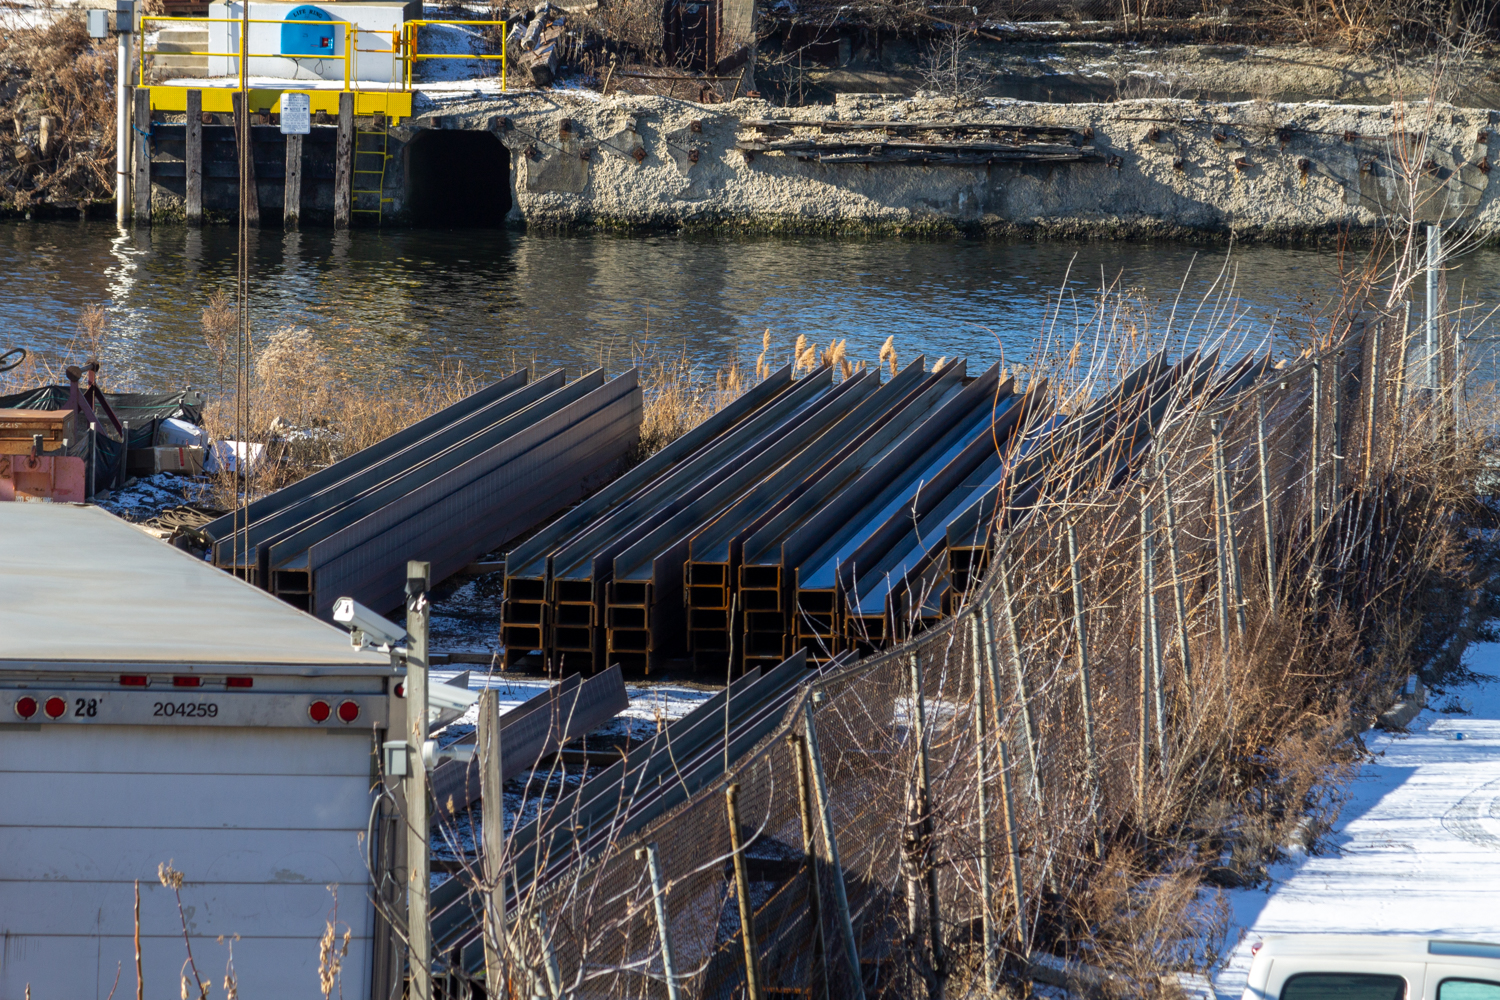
x=1254, y=170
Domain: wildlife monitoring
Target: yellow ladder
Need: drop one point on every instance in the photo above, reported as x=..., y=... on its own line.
x=368, y=190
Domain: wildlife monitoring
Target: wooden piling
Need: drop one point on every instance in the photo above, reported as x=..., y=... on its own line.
x=291, y=193
x=242, y=132
x=142, y=140
x=193, y=158
x=343, y=174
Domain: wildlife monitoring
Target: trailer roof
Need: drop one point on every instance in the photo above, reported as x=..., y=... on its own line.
x=80, y=586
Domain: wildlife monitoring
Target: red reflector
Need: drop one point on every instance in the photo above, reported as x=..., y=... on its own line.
x=134, y=680
x=186, y=682
x=348, y=711
x=55, y=707
x=26, y=707
x=319, y=711
x=239, y=682
x=400, y=690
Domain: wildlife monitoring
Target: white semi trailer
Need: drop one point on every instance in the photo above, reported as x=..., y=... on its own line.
x=154, y=710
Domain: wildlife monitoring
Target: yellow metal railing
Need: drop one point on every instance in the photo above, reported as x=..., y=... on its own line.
x=350, y=30
x=411, y=30
x=394, y=102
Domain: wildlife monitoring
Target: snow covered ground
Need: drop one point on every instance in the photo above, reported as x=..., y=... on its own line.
x=1416, y=849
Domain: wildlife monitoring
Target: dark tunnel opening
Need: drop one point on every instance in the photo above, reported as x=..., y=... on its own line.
x=457, y=179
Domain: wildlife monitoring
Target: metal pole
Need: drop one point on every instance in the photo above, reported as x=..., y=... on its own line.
x=924, y=825
x=986, y=872
x=1401, y=379
x=1179, y=602
x=492, y=825
x=1017, y=673
x=810, y=859
x=659, y=901
x=1013, y=836
x=1429, y=321
x=122, y=123
x=742, y=895
x=1080, y=633
x=830, y=845
x=418, y=852
x=1265, y=501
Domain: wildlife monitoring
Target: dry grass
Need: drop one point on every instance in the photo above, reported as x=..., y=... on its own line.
x=58, y=72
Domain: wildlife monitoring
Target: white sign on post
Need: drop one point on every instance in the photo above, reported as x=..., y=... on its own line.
x=296, y=114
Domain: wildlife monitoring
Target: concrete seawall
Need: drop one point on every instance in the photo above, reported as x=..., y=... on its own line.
x=1253, y=170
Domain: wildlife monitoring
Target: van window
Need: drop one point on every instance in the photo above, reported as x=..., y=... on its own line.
x=1468, y=989
x=1344, y=986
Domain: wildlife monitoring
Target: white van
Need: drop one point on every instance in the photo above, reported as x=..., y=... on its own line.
x=1368, y=967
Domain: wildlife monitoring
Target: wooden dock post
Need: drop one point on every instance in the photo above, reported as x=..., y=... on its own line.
x=142, y=135
x=193, y=158
x=291, y=194
x=343, y=182
x=251, y=201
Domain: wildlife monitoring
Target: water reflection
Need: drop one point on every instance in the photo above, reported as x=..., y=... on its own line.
x=389, y=302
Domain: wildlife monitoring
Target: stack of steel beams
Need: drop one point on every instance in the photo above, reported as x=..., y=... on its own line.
x=530, y=622
x=446, y=490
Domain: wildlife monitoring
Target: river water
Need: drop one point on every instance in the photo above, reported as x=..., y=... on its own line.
x=383, y=303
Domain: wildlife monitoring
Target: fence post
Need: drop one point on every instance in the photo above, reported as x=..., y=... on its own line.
x=663, y=932
x=492, y=825
x=1337, y=493
x=986, y=871
x=1317, y=452
x=924, y=827
x=1429, y=320
x=1143, y=733
x=831, y=846
x=810, y=859
x=418, y=850
x=1401, y=366
x=1265, y=501
x=549, y=959
x=742, y=894
x=1017, y=672
x=1080, y=632
x=1220, y=548
x=1158, y=680
x=1179, y=603
x=1013, y=838
x=1373, y=388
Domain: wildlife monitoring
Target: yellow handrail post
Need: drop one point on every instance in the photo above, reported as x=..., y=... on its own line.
x=503, y=33
x=348, y=51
